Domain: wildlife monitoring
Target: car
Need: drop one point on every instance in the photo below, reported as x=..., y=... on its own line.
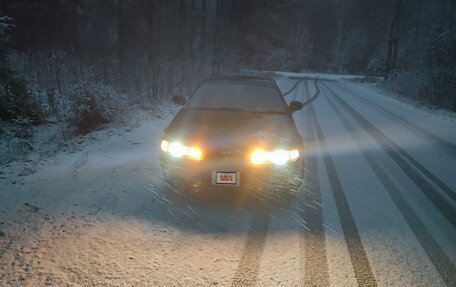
x=235, y=133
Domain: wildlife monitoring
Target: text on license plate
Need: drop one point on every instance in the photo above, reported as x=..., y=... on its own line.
x=222, y=177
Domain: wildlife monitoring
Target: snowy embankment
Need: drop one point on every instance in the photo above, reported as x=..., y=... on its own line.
x=50, y=158
x=22, y=156
x=321, y=76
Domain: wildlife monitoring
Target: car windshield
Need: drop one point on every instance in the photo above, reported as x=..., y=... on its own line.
x=249, y=97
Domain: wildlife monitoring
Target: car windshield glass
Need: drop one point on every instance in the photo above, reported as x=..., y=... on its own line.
x=256, y=97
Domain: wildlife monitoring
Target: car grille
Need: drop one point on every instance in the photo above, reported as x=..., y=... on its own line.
x=232, y=154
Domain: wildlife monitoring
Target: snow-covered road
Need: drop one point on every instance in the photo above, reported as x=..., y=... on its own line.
x=377, y=207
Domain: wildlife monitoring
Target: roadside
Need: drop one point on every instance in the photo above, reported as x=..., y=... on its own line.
x=61, y=163
x=21, y=157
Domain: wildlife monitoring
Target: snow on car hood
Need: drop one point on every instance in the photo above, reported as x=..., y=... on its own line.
x=223, y=129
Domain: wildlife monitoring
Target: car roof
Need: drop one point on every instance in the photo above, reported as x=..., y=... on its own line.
x=242, y=78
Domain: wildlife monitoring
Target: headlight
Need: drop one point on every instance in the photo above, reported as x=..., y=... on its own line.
x=177, y=149
x=260, y=156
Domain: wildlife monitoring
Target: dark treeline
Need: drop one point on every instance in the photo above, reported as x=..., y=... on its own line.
x=59, y=55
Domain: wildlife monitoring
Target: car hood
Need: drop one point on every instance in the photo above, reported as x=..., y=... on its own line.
x=233, y=129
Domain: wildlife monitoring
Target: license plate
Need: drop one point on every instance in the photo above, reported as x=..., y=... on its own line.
x=225, y=177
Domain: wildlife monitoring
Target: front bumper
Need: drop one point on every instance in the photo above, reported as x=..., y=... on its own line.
x=188, y=173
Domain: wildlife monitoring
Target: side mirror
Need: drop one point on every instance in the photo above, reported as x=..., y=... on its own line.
x=179, y=100
x=295, y=106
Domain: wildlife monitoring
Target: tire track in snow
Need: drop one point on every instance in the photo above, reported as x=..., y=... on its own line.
x=395, y=152
x=417, y=130
x=309, y=99
x=76, y=166
x=315, y=96
x=292, y=88
x=410, y=126
x=303, y=81
x=306, y=83
x=433, y=250
x=249, y=264
x=358, y=256
x=313, y=243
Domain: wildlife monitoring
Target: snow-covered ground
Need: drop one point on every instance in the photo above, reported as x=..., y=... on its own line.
x=377, y=207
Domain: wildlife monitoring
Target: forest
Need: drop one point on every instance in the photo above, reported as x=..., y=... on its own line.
x=82, y=61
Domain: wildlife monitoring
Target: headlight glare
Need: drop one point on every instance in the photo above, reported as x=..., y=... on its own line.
x=258, y=157
x=164, y=145
x=294, y=154
x=279, y=157
x=176, y=149
x=194, y=153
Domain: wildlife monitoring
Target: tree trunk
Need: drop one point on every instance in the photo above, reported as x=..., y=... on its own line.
x=218, y=20
x=417, y=23
x=451, y=37
x=393, y=40
x=121, y=45
x=339, y=36
x=74, y=29
x=396, y=35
